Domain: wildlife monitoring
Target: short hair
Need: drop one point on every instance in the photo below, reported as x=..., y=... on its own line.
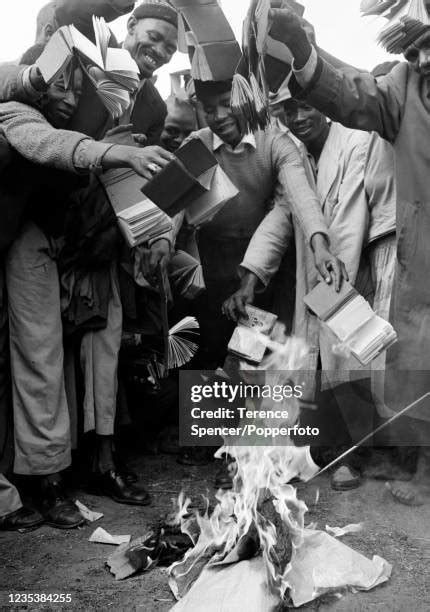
x=212, y=88
x=45, y=16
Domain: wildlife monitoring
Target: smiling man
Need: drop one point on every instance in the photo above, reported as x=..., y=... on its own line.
x=397, y=106
x=267, y=169
x=151, y=39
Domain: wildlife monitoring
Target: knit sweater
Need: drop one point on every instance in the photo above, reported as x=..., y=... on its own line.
x=269, y=175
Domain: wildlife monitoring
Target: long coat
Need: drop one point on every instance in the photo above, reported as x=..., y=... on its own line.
x=340, y=185
x=395, y=107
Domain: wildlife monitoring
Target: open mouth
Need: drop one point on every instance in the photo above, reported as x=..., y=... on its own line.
x=149, y=60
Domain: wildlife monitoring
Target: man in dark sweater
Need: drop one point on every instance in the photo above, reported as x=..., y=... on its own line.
x=267, y=169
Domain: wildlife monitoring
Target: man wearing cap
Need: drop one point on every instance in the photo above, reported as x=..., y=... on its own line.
x=265, y=167
x=151, y=40
x=396, y=106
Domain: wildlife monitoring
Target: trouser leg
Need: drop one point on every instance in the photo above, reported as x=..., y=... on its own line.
x=99, y=360
x=10, y=500
x=41, y=418
x=6, y=443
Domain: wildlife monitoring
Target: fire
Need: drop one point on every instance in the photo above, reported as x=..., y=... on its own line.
x=261, y=514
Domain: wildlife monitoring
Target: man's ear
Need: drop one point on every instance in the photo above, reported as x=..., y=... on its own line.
x=48, y=31
x=131, y=24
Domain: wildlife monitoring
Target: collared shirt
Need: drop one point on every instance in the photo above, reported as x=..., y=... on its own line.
x=248, y=139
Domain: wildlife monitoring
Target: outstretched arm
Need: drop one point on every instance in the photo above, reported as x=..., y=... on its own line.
x=346, y=95
x=80, y=12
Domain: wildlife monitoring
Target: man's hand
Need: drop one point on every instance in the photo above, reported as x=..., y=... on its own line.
x=149, y=160
x=329, y=267
x=146, y=161
x=234, y=307
x=140, y=140
x=158, y=255
x=37, y=79
x=288, y=28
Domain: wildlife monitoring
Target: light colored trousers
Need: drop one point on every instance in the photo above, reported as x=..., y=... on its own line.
x=41, y=415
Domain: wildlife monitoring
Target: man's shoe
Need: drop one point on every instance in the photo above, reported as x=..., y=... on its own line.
x=128, y=476
x=24, y=519
x=113, y=485
x=58, y=510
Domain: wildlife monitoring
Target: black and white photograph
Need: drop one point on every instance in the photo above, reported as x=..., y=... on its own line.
x=214, y=305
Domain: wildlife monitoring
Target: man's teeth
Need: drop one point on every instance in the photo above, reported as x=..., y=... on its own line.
x=150, y=60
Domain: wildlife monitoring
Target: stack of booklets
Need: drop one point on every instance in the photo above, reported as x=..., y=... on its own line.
x=407, y=21
x=245, y=342
x=397, y=37
x=192, y=181
x=265, y=67
x=395, y=9
x=113, y=72
x=139, y=219
x=205, y=33
x=186, y=275
x=352, y=320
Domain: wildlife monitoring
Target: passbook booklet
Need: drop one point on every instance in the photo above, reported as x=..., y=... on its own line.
x=139, y=219
x=113, y=72
x=205, y=33
x=245, y=342
x=352, y=320
x=192, y=181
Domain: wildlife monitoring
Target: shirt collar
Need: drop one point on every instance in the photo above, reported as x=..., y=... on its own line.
x=247, y=139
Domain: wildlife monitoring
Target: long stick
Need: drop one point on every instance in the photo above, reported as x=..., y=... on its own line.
x=380, y=428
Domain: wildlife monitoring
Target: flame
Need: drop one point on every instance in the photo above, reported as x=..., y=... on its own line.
x=261, y=480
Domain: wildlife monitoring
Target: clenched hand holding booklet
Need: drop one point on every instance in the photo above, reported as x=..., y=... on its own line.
x=192, y=181
x=113, y=72
x=352, y=320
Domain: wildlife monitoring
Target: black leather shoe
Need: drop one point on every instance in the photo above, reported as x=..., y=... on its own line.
x=24, y=519
x=128, y=476
x=58, y=510
x=112, y=485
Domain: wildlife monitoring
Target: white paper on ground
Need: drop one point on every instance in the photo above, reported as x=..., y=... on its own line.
x=338, y=532
x=101, y=536
x=324, y=564
x=241, y=586
x=89, y=515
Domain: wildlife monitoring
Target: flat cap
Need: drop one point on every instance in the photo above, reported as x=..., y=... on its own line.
x=157, y=9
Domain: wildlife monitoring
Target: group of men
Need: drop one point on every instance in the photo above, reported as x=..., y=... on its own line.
x=316, y=201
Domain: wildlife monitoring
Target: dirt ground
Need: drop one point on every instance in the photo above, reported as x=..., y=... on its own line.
x=50, y=560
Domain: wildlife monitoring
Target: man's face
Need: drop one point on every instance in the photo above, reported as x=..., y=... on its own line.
x=304, y=121
x=61, y=101
x=175, y=131
x=221, y=119
x=424, y=61
x=151, y=43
